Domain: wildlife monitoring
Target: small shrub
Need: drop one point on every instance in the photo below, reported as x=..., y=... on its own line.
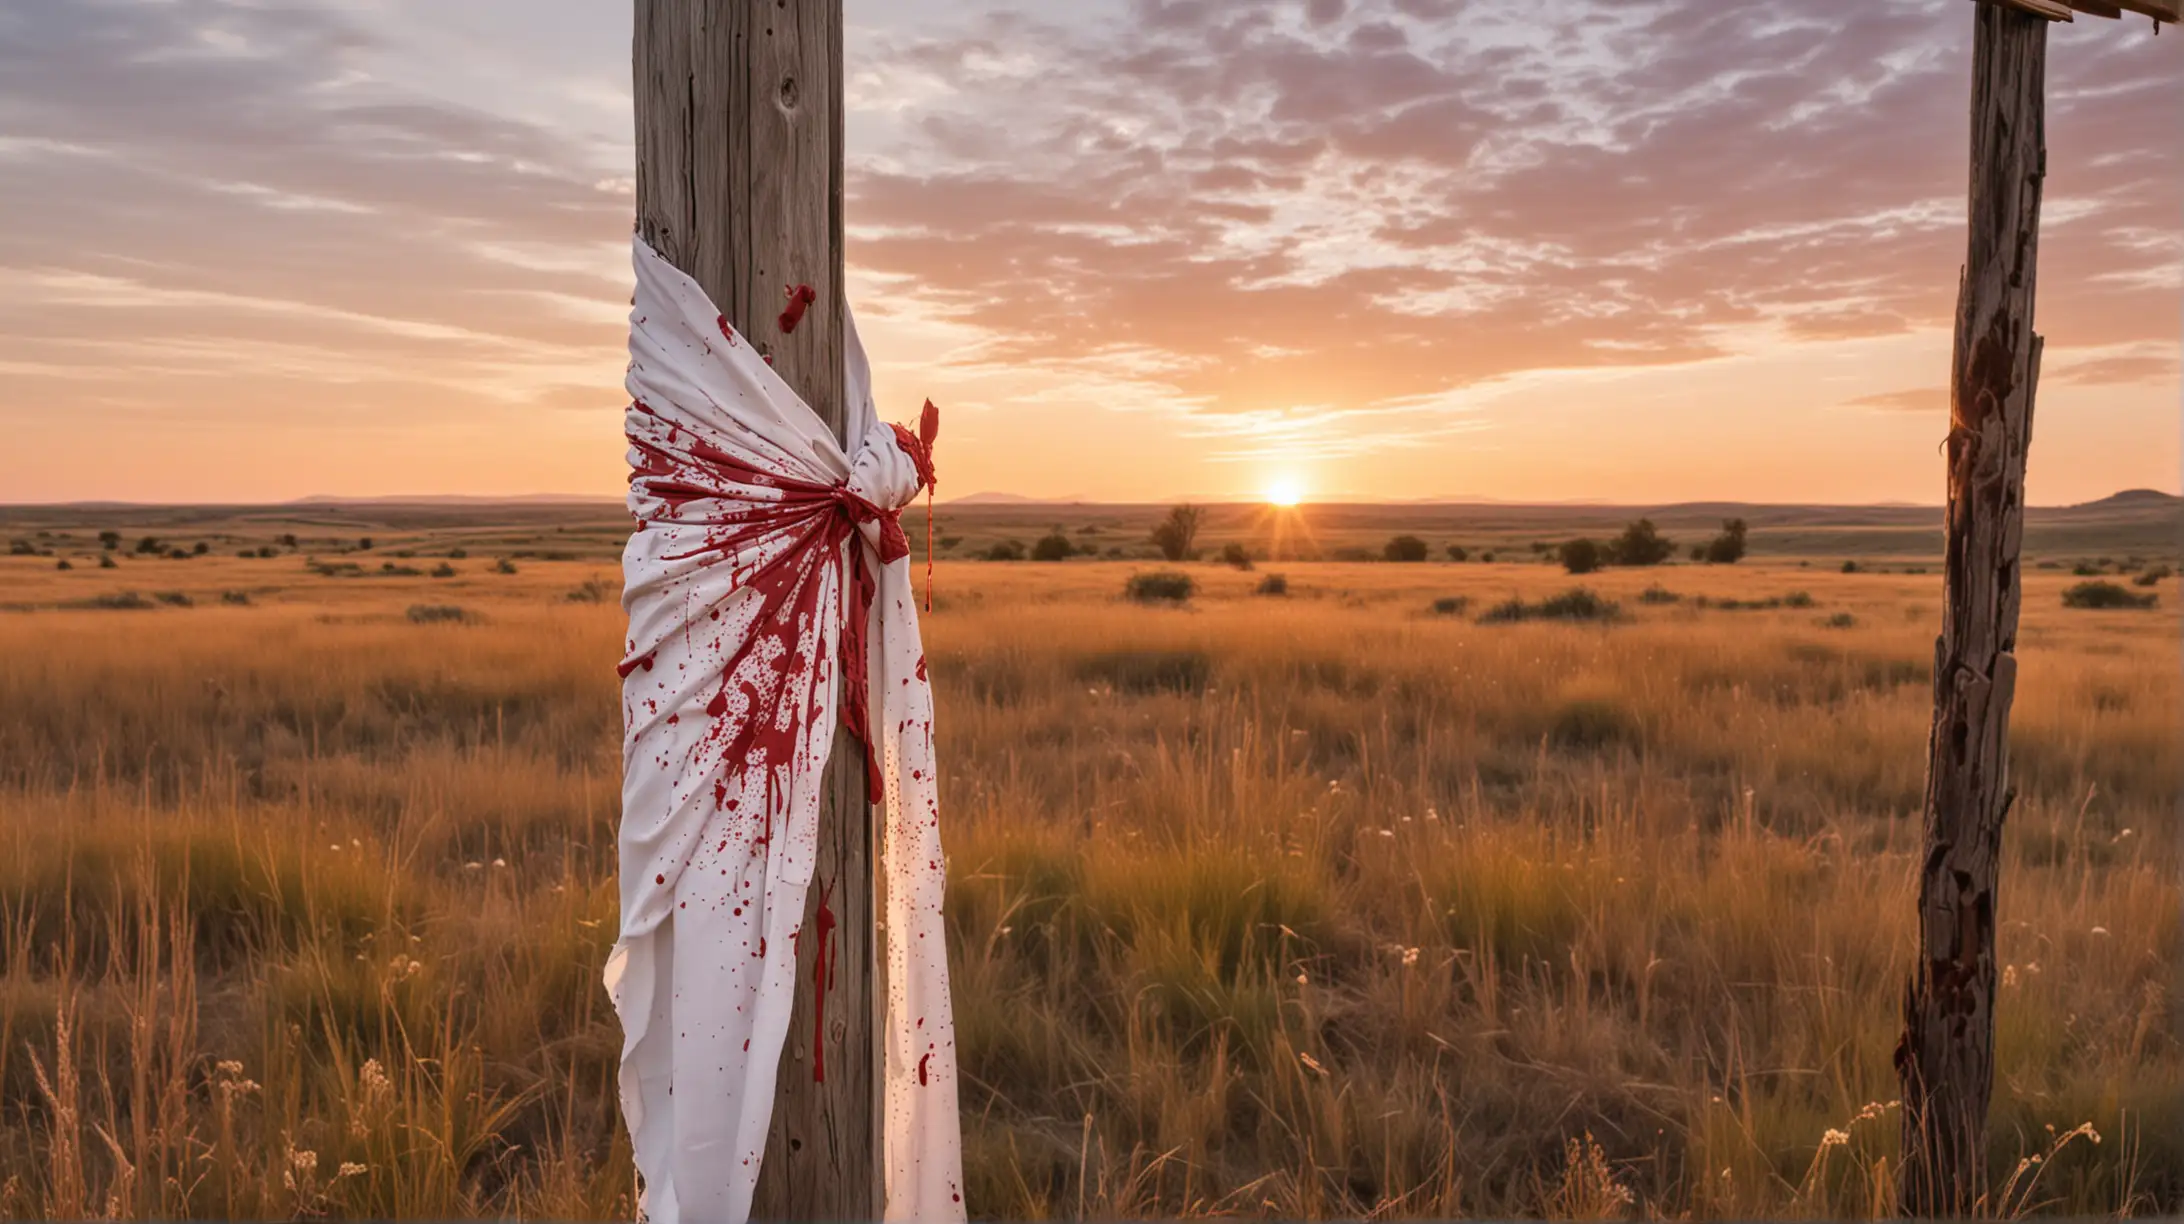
x=115, y=601
x=1274, y=584
x=1159, y=586
x=174, y=599
x=1053, y=546
x=109, y=540
x=1006, y=550
x=1728, y=547
x=106, y=561
x=1450, y=605
x=2086, y=569
x=1580, y=556
x=364, y=544
x=1658, y=594
x=1640, y=544
x=200, y=548
x=288, y=540
x=434, y=614
x=443, y=570
x=1457, y=552
x=1577, y=604
x=240, y=599
x=22, y=548
x=178, y=554
x=1176, y=533
x=504, y=566
x=1234, y=554
x=1797, y=599
x=458, y=554
x=63, y=564
x=1487, y=556
x=2105, y=595
x=1850, y=567
x=594, y=590
x=150, y=546
x=1841, y=620
x=1404, y=548
x=2152, y=577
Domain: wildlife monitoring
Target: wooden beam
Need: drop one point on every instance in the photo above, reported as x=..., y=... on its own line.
x=1945, y=1059
x=2171, y=11
x=739, y=184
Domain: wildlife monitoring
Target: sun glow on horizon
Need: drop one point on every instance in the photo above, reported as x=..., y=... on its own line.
x=1284, y=491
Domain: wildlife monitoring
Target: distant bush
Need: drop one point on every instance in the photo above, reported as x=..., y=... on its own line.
x=443, y=570
x=1450, y=605
x=1487, y=556
x=178, y=554
x=2152, y=577
x=63, y=564
x=1728, y=547
x=174, y=599
x=115, y=601
x=1658, y=594
x=200, y=548
x=1850, y=567
x=1797, y=599
x=1159, y=586
x=106, y=561
x=1053, y=546
x=947, y=542
x=504, y=566
x=1006, y=550
x=239, y=599
x=458, y=554
x=1841, y=620
x=433, y=614
x=594, y=590
x=1457, y=552
x=2105, y=595
x=1578, y=604
x=288, y=540
x=1177, y=532
x=1640, y=544
x=1580, y=556
x=22, y=548
x=109, y=540
x=2086, y=569
x=1590, y=725
x=1405, y=548
x=364, y=544
x=150, y=545
x=1274, y=584
x=1236, y=555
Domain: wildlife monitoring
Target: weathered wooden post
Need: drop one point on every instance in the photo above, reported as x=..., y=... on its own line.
x=1946, y=1056
x=739, y=184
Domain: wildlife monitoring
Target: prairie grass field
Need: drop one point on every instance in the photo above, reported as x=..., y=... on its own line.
x=1364, y=899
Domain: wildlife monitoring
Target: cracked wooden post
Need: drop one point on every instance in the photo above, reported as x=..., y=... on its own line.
x=1945, y=1059
x=739, y=184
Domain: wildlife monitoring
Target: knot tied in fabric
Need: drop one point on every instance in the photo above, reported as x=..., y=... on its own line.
x=769, y=602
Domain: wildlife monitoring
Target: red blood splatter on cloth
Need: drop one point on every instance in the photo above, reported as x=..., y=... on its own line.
x=922, y=1064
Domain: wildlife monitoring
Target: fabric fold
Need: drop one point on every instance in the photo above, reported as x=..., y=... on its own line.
x=768, y=592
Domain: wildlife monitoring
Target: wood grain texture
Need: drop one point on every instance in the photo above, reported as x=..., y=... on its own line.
x=1946, y=1056
x=739, y=183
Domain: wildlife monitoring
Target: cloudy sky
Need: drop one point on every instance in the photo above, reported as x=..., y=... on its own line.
x=1639, y=250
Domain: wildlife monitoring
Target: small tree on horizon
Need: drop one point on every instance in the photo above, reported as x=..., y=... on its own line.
x=1177, y=532
x=1728, y=547
x=1640, y=544
x=1053, y=546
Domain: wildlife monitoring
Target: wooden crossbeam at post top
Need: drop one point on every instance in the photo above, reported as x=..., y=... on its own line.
x=2171, y=11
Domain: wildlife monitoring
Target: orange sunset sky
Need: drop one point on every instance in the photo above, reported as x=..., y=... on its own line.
x=1630, y=250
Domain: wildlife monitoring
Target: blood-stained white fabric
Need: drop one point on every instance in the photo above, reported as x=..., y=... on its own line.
x=755, y=535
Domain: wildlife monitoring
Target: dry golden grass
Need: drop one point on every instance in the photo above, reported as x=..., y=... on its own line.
x=1306, y=906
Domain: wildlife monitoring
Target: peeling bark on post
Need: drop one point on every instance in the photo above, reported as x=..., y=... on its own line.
x=739, y=184
x=1946, y=1056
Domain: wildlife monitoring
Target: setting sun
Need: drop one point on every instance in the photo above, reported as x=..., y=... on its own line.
x=1284, y=491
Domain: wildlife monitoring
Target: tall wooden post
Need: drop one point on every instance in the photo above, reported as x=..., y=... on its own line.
x=1946, y=1056
x=739, y=184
